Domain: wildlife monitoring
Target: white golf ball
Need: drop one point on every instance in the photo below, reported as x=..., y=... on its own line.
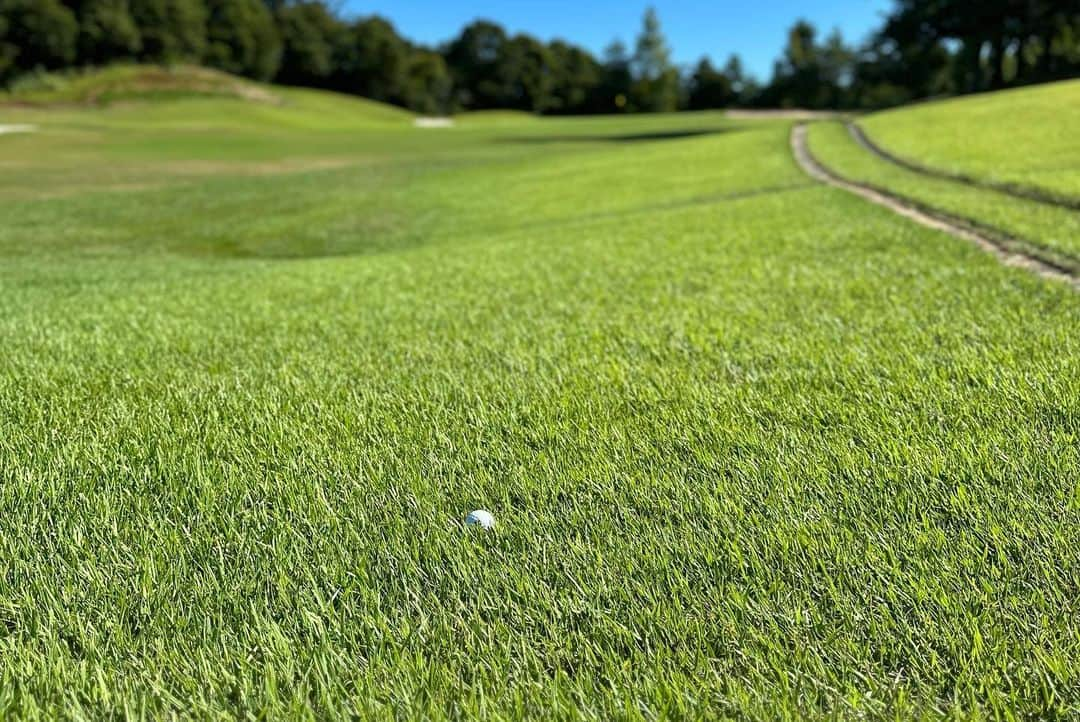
x=480, y=518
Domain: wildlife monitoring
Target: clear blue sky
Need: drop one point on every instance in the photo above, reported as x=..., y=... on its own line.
x=755, y=29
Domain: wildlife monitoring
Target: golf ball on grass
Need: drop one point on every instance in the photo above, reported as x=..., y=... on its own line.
x=480, y=518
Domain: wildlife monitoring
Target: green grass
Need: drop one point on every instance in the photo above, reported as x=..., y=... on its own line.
x=1046, y=226
x=136, y=146
x=1026, y=136
x=755, y=447
x=142, y=83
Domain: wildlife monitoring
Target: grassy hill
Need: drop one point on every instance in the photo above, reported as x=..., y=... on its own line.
x=1027, y=136
x=186, y=96
x=138, y=126
x=144, y=84
x=120, y=83
x=755, y=448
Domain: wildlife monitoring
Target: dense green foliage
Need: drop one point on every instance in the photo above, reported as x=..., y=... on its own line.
x=310, y=36
x=656, y=85
x=170, y=30
x=807, y=76
x=709, y=88
x=35, y=33
x=930, y=48
x=107, y=30
x=755, y=447
x=241, y=38
x=924, y=48
x=1001, y=41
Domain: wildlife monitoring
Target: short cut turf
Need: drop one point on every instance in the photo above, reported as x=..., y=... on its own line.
x=755, y=447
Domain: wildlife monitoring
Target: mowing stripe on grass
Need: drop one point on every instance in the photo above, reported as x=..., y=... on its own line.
x=1016, y=190
x=1002, y=247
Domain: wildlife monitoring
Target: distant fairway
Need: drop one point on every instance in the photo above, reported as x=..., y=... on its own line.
x=755, y=447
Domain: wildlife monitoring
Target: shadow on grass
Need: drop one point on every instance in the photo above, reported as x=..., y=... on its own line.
x=616, y=137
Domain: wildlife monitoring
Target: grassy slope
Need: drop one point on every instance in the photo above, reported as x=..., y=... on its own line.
x=754, y=446
x=147, y=84
x=1027, y=136
x=153, y=139
x=1045, y=225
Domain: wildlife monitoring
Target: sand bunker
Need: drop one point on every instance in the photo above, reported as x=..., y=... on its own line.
x=17, y=128
x=434, y=122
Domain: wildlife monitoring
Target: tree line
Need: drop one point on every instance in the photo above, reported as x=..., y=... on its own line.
x=924, y=48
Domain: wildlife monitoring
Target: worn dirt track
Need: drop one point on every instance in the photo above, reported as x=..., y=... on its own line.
x=1000, y=248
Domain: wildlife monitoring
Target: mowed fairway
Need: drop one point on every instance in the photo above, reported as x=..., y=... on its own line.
x=755, y=447
x=1025, y=136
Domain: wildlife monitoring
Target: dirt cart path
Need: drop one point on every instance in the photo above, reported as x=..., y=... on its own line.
x=931, y=219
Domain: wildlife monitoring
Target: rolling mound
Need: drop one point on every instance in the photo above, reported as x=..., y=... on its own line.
x=1025, y=136
x=134, y=82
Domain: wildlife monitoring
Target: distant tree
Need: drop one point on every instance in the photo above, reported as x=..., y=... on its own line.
x=373, y=61
x=613, y=93
x=170, y=30
x=242, y=38
x=1052, y=40
x=924, y=48
x=709, y=88
x=576, y=77
x=796, y=77
x=35, y=34
x=996, y=41
x=921, y=24
x=524, y=71
x=656, y=81
x=107, y=30
x=733, y=71
x=310, y=39
x=899, y=64
x=811, y=75
x=428, y=87
x=9, y=51
x=836, y=68
x=474, y=59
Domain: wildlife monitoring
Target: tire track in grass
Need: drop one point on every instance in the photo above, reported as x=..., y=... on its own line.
x=1015, y=190
x=1009, y=251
